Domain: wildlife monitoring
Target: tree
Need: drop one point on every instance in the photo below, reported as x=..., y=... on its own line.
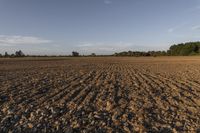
x=12, y=55
x=75, y=54
x=93, y=54
x=6, y=54
x=140, y=53
x=189, y=48
x=19, y=54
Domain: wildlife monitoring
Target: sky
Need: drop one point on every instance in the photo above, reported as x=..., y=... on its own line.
x=58, y=27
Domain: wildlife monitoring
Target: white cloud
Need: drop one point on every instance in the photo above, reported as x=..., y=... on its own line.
x=6, y=40
x=107, y=2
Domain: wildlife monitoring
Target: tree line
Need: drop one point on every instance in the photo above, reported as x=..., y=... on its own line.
x=139, y=53
x=21, y=54
x=16, y=54
x=182, y=49
x=185, y=49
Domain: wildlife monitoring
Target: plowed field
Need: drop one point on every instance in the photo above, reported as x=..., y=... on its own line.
x=111, y=94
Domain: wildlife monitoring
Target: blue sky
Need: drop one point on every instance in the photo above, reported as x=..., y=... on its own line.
x=100, y=26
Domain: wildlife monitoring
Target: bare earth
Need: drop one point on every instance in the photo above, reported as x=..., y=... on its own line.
x=155, y=94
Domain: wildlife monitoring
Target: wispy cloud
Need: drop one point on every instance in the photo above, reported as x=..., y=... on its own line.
x=170, y=30
x=107, y=2
x=194, y=9
x=101, y=47
x=198, y=7
x=6, y=40
x=83, y=44
x=178, y=27
x=107, y=48
x=196, y=27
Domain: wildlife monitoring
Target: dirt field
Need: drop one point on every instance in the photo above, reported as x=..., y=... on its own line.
x=155, y=94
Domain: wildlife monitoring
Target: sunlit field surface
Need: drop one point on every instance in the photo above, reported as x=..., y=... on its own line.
x=96, y=94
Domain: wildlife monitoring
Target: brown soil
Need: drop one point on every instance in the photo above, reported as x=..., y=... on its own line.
x=160, y=94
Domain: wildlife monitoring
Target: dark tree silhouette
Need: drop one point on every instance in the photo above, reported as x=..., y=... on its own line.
x=182, y=49
x=6, y=54
x=19, y=54
x=75, y=54
x=93, y=54
x=139, y=53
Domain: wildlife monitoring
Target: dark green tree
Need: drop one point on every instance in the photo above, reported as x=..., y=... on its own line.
x=185, y=49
